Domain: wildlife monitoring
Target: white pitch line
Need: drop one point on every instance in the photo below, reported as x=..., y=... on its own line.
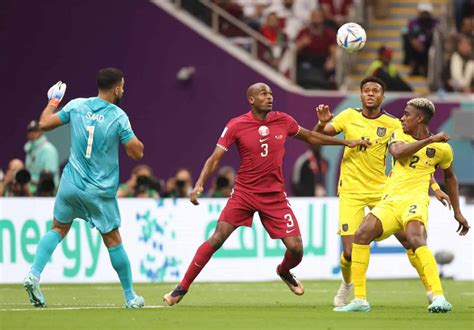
x=71, y=308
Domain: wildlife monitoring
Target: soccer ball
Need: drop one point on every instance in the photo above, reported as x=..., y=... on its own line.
x=351, y=37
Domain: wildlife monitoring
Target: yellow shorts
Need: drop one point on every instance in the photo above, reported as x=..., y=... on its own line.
x=352, y=211
x=395, y=214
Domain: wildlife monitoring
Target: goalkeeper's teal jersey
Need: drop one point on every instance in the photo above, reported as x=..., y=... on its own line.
x=97, y=127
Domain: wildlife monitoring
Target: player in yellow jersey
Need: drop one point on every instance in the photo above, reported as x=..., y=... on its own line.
x=416, y=153
x=362, y=175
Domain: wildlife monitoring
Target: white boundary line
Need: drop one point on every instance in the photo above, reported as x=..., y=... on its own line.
x=72, y=308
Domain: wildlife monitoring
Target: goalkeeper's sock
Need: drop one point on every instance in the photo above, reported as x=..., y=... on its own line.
x=360, y=263
x=415, y=262
x=289, y=261
x=202, y=256
x=346, y=269
x=430, y=270
x=121, y=264
x=45, y=249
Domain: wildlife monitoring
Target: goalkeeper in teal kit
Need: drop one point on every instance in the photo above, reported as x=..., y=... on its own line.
x=90, y=179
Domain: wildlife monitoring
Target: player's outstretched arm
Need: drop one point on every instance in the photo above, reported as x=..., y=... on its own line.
x=324, y=117
x=49, y=119
x=210, y=166
x=318, y=138
x=400, y=150
x=134, y=148
x=453, y=191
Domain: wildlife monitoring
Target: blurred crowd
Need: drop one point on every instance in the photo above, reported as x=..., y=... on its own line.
x=457, y=57
x=38, y=174
x=308, y=27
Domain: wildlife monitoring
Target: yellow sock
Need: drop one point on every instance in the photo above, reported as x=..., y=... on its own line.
x=346, y=270
x=360, y=263
x=415, y=262
x=430, y=269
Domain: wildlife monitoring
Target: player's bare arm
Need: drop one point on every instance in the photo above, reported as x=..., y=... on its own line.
x=210, y=166
x=400, y=150
x=324, y=117
x=318, y=138
x=452, y=189
x=49, y=119
x=134, y=148
x=440, y=194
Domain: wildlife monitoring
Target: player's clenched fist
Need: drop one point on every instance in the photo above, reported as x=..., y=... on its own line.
x=56, y=93
x=441, y=137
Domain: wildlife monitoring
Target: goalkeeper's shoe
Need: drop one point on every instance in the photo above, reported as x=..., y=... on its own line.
x=342, y=296
x=439, y=305
x=136, y=302
x=174, y=296
x=31, y=284
x=356, y=305
x=293, y=283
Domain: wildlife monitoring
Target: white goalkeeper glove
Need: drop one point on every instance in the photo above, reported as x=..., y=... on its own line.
x=56, y=93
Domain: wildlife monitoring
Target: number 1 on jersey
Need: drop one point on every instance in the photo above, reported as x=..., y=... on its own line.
x=90, y=139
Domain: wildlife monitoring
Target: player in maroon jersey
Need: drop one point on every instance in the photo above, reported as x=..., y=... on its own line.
x=260, y=136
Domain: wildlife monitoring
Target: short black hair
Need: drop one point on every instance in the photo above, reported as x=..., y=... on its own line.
x=109, y=77
x=374, y=80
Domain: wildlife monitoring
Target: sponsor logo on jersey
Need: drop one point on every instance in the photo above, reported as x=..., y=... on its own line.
x=430, y=152
x=381, y=131
x=279, y=137
x=263, y=131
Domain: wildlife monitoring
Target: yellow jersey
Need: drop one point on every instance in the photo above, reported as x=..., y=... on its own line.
x=410, y=177
x=363, y=169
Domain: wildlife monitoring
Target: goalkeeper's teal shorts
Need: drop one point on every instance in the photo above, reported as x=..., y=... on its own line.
x=72, y=203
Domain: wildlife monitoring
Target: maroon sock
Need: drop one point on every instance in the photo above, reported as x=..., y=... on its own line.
x=289, y=261
x=202, y=256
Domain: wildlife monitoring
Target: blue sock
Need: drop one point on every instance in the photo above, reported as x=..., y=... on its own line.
x=121, y=264
x=44, y=251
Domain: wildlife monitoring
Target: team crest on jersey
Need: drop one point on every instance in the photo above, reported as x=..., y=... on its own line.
x=381, y=131
x=430, y=152
x=345, y=227
x=263, y=131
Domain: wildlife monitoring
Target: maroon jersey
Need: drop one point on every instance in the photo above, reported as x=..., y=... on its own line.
x=261, y=146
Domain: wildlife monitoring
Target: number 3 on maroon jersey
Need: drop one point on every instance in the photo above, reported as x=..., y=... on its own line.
x=264, y=153
x=290, y=223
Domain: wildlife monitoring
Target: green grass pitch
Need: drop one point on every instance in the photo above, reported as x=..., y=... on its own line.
x=396, y=304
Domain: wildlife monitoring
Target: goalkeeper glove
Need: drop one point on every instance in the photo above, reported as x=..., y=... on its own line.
x=56, y=93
